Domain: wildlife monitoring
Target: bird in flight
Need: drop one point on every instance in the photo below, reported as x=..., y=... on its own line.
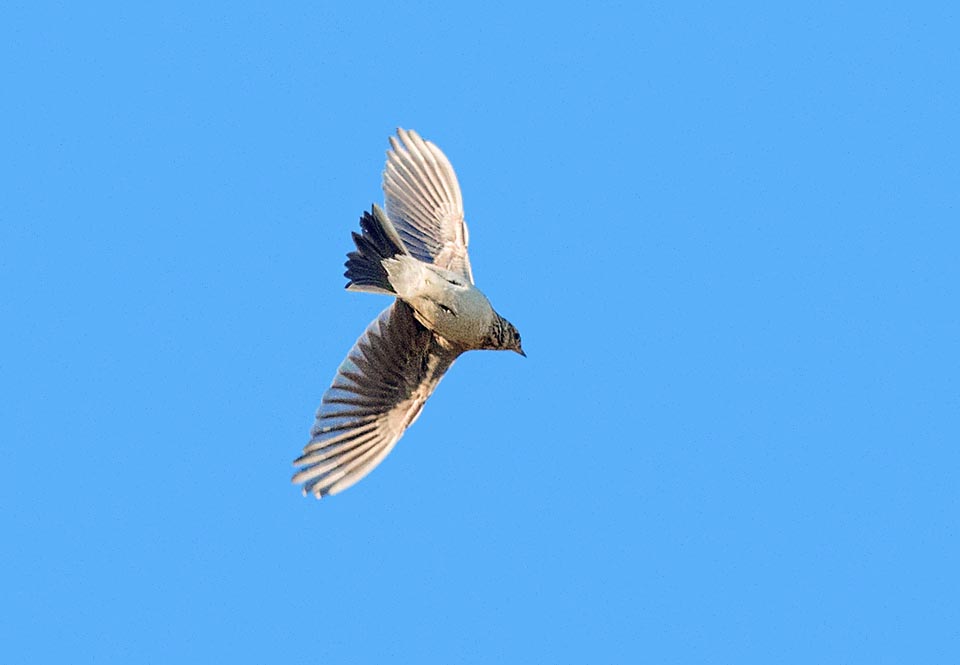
x=416, y=252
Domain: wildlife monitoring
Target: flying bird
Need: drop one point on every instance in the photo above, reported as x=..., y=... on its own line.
x=416, y=252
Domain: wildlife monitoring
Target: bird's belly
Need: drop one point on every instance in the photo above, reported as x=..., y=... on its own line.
x=460, y=315
x=442, y=300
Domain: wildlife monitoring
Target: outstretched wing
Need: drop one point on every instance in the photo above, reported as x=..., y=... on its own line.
x=377, y=393
x=424, y=203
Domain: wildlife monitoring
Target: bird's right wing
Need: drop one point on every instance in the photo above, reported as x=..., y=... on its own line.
x=377, y=393
x=423, y=201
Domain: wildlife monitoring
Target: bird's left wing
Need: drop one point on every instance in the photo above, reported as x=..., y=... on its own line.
x=423, y=201
x=377, y=393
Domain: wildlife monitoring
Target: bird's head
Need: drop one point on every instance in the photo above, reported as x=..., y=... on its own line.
x=506, y=337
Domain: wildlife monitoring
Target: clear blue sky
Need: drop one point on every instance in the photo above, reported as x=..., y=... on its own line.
x=728, y=235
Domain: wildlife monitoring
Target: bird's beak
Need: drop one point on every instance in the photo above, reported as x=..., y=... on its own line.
x=520, y=351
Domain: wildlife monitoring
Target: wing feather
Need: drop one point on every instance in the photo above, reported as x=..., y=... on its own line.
x=423, y=200
x=377, y=393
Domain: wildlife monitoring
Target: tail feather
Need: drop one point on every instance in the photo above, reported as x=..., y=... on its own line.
x=378, y=241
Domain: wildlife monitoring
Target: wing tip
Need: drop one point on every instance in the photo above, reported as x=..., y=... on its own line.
x=409, y=138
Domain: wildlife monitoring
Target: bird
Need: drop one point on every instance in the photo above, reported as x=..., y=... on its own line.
x=414, y=250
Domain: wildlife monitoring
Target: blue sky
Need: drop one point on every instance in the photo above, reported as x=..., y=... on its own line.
x=728, y=236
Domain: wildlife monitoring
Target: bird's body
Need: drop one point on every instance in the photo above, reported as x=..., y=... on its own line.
x=443, y=301
x=416, y=251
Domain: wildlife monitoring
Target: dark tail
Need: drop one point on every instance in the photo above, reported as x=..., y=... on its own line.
x=379, y=241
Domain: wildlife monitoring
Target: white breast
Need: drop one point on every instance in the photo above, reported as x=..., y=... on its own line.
x=443, y=301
